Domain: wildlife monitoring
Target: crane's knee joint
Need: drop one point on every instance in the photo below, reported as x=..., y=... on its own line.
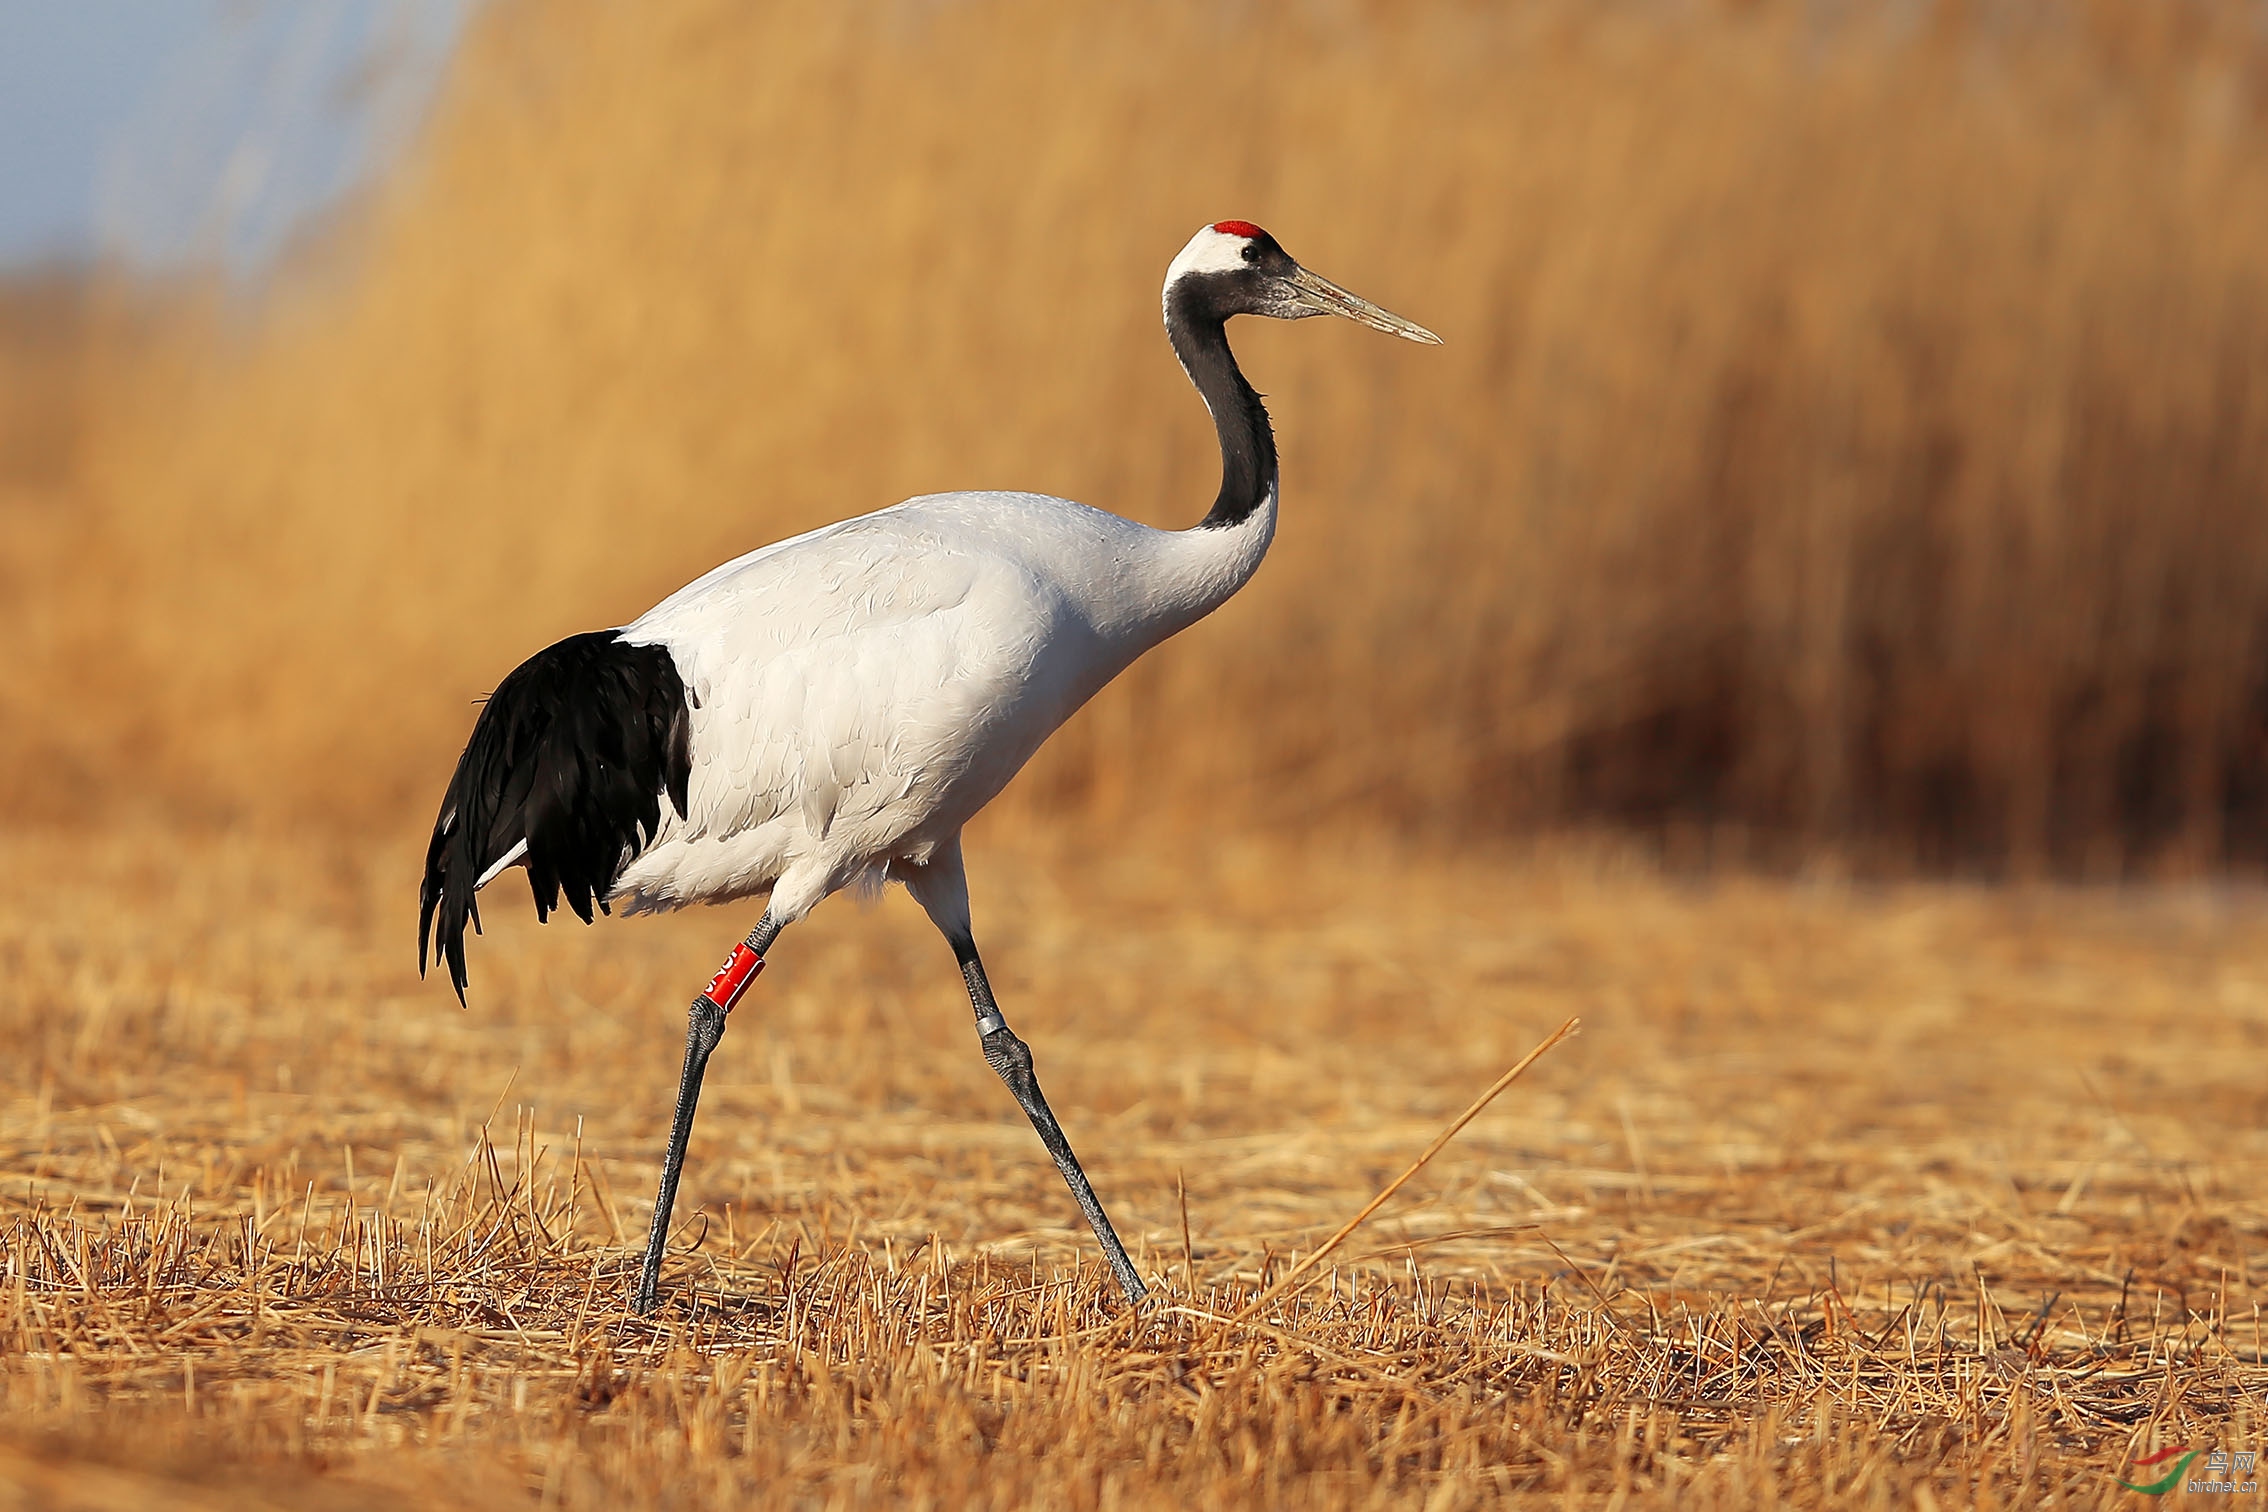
x=706, y=1021
x=1010, y=1057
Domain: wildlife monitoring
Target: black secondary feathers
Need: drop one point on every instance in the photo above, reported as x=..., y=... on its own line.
x=572, y=754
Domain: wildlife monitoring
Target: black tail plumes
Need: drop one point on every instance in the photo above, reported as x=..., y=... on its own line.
x=572, y=755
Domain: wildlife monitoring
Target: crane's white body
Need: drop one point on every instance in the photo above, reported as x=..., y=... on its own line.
x=861, y=691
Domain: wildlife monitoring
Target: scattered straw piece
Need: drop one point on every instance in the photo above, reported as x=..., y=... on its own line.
x=1417, y=1165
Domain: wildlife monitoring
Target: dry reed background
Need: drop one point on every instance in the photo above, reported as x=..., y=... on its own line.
x=1850, y=437
x=1848, y=451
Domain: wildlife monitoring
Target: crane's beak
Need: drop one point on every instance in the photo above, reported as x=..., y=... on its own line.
x=1312, y=291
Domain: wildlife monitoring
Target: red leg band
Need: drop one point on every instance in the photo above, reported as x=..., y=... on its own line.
x=740, y=968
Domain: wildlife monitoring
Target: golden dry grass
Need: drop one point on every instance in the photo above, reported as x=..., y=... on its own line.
x=1841, y=1198
x=1849, y=436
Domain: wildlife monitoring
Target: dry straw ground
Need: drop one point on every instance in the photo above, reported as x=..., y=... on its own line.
x=1839, y=1199
x=1848, y=450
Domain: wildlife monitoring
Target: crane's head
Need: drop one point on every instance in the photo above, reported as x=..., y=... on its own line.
x=1235, y=268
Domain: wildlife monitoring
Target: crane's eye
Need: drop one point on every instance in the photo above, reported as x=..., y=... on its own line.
x=1251, y=252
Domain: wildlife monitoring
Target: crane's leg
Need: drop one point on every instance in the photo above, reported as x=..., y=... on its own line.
x=706, y=1027
x=1011, y=1059
x=941, y=887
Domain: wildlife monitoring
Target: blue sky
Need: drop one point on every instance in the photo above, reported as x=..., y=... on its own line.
x=167, y=132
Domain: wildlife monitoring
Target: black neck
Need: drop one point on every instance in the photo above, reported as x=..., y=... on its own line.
x=1199, y=335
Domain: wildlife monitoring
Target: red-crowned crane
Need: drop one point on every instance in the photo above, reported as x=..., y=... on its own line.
x=832, y=709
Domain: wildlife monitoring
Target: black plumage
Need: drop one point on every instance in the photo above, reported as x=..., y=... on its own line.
x=1200, y=305
x=573, y=753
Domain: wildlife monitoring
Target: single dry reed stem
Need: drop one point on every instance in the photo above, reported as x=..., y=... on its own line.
x=1417, y=1165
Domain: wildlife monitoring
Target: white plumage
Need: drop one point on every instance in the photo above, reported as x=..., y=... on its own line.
x=862, y=691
